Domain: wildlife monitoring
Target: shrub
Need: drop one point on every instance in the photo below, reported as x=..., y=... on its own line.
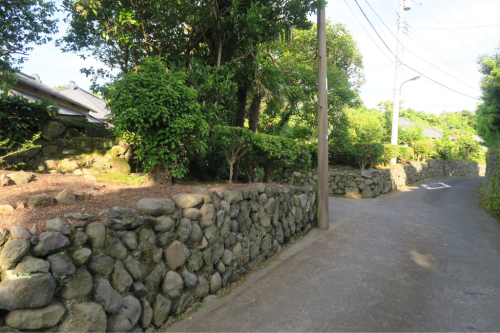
x=20, y=119
x=157, y=112
x=405, y=154
x=368, y=153
x=342, y=154
x=424, y=149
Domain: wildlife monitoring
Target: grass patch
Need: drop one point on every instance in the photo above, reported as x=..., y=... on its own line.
x=121, y=178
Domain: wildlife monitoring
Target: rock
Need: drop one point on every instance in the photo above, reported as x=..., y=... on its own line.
x=205, y=193
x=52, y=129
x=4, y=236
x=146, y=314
x=368, y=182
x=189, y=278
x=366, y=174
x=133, y=267
x=34, y=230
x=30, y=266
x=351, y=191
x=173, y=284
x=184, y=229
x=164, y=224
x=5, y=181
x=12, y=252
x=119, y=165
x=195, y=236
x=100, y=264
x=204, y=244
x=80, y=220
x=228, y=257
x=107, y=296
x=161, y=309
x=176, y=255
x=127, y=317
x=119, y=218
x=185, y=200
x=80, y=238
x=220, y=267
x=40, y=200
x=34, y=319
x=79, y=285
x=202, y=287
x=217, y=251
x=139, y=290
x=191, y=213
x=130, y=240
x=90, y=177
x=120, y=279
x=58, y=224
x=367, y=193
x=225, y=206
x=17, y=231
x=70, y=164
x=66, y=197
x=6, y=209
x=27, y=292
x=21, y=178
x=184, y=302
x=233, y=197
x=195, y=261
x=97, y=234
x=303, y=200
x=85, y=317
x=207, y=215
x=152, y=281
x=156, y=207
x=215, y=282
x=61, y=266
x=211, y=234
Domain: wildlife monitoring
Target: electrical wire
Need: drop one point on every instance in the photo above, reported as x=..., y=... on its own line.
x=479, y=27
x=460, y=9
x=421, y=74
x=461, y=25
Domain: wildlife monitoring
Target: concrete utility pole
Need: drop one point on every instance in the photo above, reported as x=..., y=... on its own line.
x=399, y=55
x=323, y=222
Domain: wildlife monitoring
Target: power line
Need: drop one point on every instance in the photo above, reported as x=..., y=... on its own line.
x=476, y=26
x=435, y=51
x=479, y=27
x=458, y=92
x=461, y=25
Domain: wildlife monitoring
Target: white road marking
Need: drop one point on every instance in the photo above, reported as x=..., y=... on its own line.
x=435, y=186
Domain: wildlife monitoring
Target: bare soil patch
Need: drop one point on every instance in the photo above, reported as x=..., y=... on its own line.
x=92, y=197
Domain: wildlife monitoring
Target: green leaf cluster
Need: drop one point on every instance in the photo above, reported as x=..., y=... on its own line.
x=156, y=111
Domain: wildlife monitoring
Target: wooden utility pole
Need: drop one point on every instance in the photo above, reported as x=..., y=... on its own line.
x=323, y=222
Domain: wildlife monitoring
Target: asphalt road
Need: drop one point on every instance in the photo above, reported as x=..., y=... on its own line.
x=412, y=260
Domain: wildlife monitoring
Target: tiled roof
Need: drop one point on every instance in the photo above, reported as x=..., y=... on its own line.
x=34, y=81
x=84, y=97
x=428, y=131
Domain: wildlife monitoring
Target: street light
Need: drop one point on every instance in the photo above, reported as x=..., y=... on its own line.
x=395, y=118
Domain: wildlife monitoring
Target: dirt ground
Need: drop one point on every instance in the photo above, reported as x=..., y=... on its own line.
x=92, y=197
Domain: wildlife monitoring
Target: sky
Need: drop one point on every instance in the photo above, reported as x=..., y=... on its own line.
x=443, y=40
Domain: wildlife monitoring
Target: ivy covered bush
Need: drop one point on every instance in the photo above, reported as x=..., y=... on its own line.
x=154, y=110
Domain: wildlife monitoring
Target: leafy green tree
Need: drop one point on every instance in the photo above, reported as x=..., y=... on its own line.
x=157, y=112
x=411, y=134
x=365, y=125
x=22, y=23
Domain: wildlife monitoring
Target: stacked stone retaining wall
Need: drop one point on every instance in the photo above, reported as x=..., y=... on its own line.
x=490, y=188
x=127, y=271
x=373, y=182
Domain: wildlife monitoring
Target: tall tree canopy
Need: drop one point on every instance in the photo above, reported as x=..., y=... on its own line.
x=23, y=22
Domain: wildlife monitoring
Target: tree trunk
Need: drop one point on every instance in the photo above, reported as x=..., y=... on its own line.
x=254, y=111
x=242, y=104
x=219, y=52
x=231, y=172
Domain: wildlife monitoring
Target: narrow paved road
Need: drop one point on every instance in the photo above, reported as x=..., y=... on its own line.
x=414, y=260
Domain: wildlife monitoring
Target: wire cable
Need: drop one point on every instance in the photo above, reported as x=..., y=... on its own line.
x=479, y=27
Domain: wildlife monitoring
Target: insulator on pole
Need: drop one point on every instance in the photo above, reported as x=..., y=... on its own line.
x=407, y=4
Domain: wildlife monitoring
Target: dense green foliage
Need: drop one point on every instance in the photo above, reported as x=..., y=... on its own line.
x=159, y=114
x=368, y=153
x=20, y=119
x=22, y=23
x=488, y=112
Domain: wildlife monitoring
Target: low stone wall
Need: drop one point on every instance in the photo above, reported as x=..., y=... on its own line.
x=372, y=183
x=122, y=271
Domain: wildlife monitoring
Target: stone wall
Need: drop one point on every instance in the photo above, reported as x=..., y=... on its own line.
x=490, y=188
x=373, y=182
x=122, y=271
